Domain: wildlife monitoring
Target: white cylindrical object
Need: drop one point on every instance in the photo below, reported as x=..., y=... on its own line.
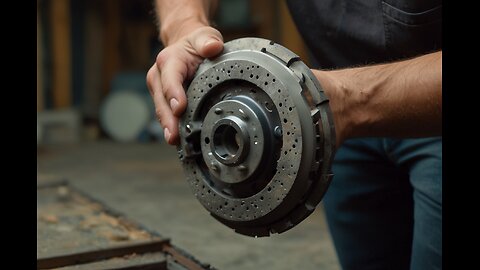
x=124, y=115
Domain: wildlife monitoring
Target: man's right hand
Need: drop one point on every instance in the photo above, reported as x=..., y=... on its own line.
x=177, y=62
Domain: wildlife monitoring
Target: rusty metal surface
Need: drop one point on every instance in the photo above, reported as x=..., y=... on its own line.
x=102, y=254
x=157, y=261
x=75, y=231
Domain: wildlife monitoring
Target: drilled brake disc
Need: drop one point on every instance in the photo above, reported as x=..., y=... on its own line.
x=257, y=138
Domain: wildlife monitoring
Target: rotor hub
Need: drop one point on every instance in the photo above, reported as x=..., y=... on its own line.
x=257, y=138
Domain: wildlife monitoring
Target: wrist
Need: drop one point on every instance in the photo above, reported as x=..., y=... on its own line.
x=172, y=30
x=353, y=95
x=339, y=95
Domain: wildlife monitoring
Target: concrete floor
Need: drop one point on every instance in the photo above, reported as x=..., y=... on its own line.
x=145, y=182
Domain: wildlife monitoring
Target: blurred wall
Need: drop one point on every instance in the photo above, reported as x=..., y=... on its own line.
x=82, y=45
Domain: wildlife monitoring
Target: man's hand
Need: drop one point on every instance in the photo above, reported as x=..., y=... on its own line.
x=401, y=99
x=174, y=64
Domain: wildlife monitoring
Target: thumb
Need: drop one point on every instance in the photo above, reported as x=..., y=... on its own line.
x=208, y=42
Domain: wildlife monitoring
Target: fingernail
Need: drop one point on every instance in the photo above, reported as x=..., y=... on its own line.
x=210, y=41
x=173, y=104
x=166, y=134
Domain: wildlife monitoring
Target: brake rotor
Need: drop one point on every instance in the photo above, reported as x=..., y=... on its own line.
x=257, y=138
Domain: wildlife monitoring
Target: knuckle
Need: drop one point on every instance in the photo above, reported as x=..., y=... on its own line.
x=162, y=57
x=150, y=76
x=169, y=88
x=166, y=88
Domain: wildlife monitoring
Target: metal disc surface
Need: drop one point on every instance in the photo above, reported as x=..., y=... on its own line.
x=257, y=138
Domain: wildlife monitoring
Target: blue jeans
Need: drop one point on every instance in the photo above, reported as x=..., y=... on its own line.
x=384, y=205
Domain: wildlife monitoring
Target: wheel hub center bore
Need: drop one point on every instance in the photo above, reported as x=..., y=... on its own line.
x=230, y=136
x=230, y=140
x=257, y=138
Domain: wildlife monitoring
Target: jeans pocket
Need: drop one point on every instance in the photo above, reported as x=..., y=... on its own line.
x=414, y=31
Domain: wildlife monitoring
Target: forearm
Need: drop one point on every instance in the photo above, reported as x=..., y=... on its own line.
x=401, y=99
x=178, y=17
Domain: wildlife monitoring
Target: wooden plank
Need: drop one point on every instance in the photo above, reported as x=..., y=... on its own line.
x=111, y=48
x=40, y=90
x=102, y=254
x=136, y=44
x=60, y=25
x=75, y=231
x=147, y=261
x=77, y=17
x=182, y=259
x=93, y=50
x=290, y=37
x=263, y=12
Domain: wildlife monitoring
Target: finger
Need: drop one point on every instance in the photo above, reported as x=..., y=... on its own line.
x=168, y=121
x=163, y=112
x=207, y=42
x=152, y=76
x=173, y=72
